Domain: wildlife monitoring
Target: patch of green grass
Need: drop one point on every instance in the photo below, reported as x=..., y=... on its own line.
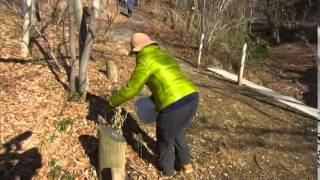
x=74, y=96
x=37, y=59
x=68, y=175
x=15, y=32
x=194, y=35
x=58, y=172
x=258, y=52
x=236, y=39
x=65, y=125
x=179, y=29
x=56, y=169
x=44, y=144
x=228, y=48
x=52, y=138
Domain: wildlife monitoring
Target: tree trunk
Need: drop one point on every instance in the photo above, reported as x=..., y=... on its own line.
x=78, y=11
x=84, y=80
x=26, y=7
x=38, y=11
x=33, y=12
x=84, y=27
x=73, y=72
x=203, y=16
x=191, y=18
x=59, y=10
x=272, y=25
x=173, y=18
x=200, y=50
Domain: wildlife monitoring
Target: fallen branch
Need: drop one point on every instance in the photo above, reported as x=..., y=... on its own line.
x=53, y=56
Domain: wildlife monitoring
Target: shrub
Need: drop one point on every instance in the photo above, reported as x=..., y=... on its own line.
x=258, y=52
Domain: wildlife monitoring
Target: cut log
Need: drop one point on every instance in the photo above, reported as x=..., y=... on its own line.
x=111, y=154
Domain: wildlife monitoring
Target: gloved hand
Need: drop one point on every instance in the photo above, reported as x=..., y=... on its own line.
x=109, y=109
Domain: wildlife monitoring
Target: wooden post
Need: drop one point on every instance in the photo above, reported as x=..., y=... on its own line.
x=111, y=154
x=200, y=50
x=244, y=50
x=112, y=71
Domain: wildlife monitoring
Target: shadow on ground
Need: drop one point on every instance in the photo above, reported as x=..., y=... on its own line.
x=135, y=137
x=15, y=164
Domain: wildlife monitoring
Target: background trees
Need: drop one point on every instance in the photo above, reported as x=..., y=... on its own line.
x=225, y=23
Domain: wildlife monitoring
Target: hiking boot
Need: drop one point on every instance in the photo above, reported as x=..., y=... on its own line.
x=188, y=172
x=187, y=168
x=164, y=177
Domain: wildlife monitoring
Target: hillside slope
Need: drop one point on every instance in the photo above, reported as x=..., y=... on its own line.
x=237, y=134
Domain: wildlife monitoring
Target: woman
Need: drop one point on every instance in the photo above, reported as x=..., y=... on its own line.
x=174, y=95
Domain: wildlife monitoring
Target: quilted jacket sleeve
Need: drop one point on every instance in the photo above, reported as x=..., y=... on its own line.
x=134, y=85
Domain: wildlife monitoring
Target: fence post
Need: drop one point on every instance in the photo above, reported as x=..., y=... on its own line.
x=244, y=51
x=200, y=50
x=111, y=154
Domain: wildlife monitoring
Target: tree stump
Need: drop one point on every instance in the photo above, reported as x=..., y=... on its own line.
x=111, y=154
x=112, y=72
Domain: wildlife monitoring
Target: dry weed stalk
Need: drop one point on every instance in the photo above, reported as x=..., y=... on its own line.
x=118, y=120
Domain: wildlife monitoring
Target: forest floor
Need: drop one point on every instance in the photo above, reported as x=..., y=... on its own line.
x=237, y=134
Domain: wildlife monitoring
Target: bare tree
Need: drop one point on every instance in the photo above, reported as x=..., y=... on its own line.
x=73, y=72
x=75, y=13
x=59, y=10
x=111, y=15
x=27, y=13
x=78, y=10
x=211, y=16
x=192, y=14
x=83, y=76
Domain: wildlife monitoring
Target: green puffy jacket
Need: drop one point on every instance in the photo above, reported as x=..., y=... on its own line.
x=162, y=75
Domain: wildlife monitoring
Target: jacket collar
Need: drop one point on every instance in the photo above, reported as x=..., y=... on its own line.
x=148, y=48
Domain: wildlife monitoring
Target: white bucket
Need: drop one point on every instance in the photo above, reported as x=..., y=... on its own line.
x=146, y=110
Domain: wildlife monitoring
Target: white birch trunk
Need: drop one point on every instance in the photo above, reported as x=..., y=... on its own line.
x=84, y=79
x=73, y=73
x=200, y=50
x=78, y=9
x=26, y=4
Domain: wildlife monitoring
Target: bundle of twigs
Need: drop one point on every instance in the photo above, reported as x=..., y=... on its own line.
x=118, y=120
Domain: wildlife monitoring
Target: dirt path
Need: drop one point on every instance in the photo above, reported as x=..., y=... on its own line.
x=237, y=134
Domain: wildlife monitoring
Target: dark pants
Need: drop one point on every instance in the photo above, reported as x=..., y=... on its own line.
x=129, y=13
x=171, y=136
x=130, y=7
